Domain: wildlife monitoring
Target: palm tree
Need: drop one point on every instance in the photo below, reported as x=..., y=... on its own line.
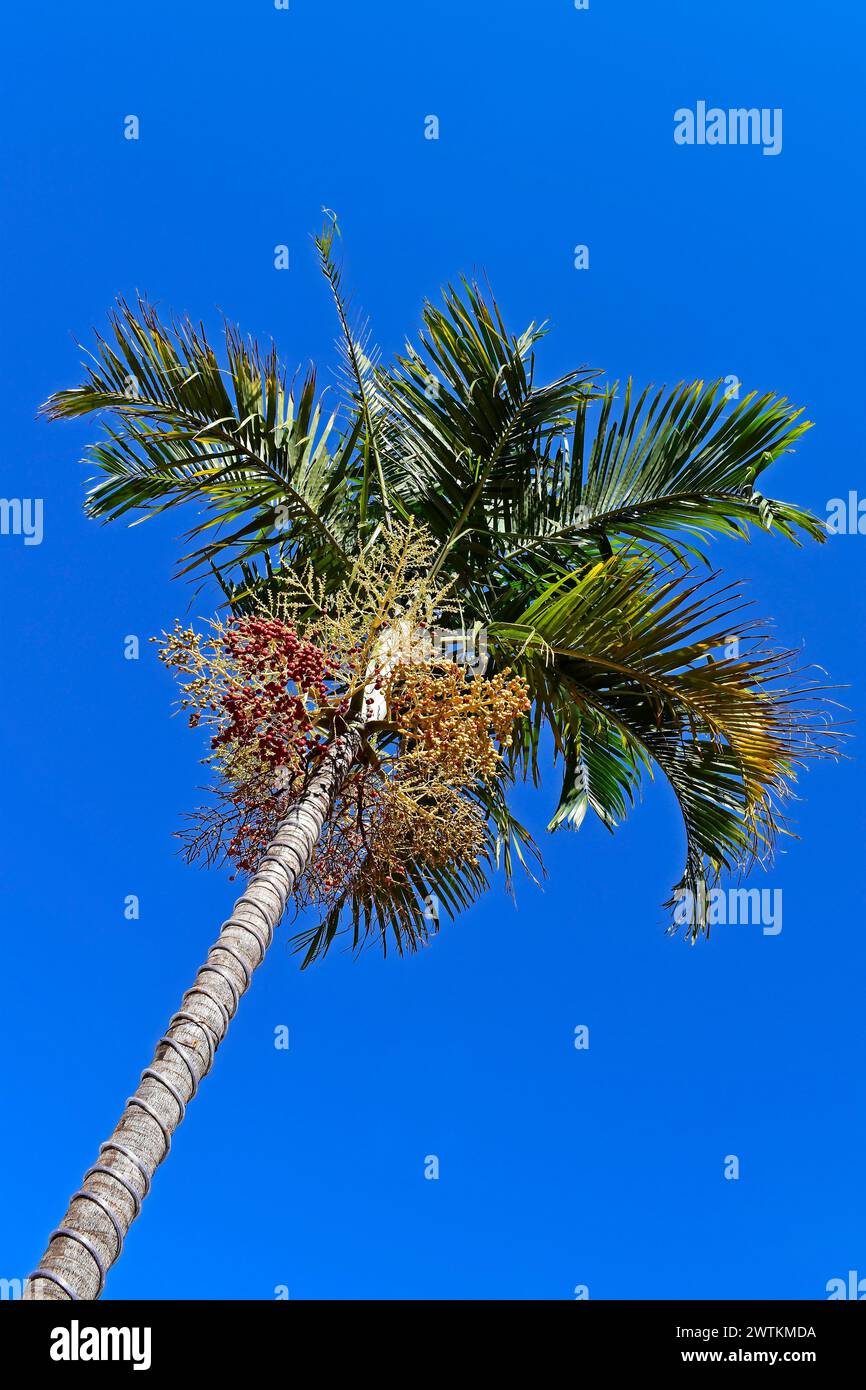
x=567, y=517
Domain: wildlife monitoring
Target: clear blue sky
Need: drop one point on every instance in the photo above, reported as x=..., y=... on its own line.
x=558, y=1167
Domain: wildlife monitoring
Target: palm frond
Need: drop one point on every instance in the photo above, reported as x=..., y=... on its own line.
x=252, y=452
x=630, y=671
x=663, y=468
x=471, y=423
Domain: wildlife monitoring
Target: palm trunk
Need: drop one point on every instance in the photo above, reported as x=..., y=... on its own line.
x=90, y=1238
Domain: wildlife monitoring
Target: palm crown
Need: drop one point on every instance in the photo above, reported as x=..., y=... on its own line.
x=566, y=517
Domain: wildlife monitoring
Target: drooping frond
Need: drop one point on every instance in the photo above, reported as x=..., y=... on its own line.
x=632, y=671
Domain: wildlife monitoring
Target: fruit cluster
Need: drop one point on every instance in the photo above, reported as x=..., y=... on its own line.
x=261, y=686
x=278, y=680
x=268, y=686
x=459, y=724
x=389, y=824
x=414, y=812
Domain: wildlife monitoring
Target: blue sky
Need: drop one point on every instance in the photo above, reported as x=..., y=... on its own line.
x=558, y=1167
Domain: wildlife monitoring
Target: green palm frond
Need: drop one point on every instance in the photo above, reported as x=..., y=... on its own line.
x=604, y=765
x=666, y=466
x=251, y=452
x=471, y=424
x=628, y=673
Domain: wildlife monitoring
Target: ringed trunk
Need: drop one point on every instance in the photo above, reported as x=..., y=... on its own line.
x=90, y=1237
